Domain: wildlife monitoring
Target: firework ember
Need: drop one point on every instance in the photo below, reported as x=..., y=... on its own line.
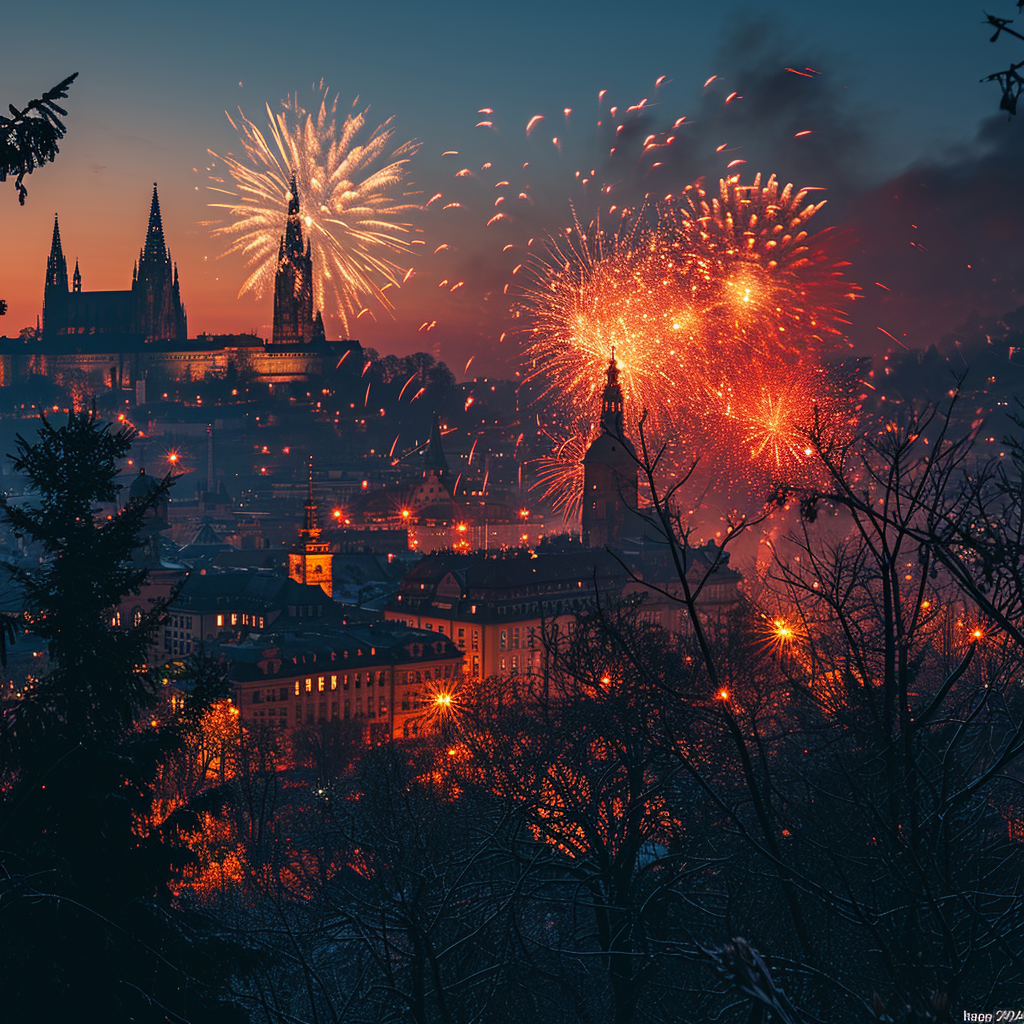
x=353, y=187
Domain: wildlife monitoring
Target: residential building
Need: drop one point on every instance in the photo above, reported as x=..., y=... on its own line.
x=496, y=608
x=381, y=678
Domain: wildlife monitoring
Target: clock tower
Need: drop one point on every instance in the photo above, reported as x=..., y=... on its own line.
x=311, y=562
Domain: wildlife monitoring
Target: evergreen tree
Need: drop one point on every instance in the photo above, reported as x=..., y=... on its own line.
x=89, y=921
x=29, y=137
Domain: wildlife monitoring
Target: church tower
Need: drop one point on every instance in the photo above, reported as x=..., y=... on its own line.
x=610, y=473
x=293, y=283
x=434, y=487
x=55, y=291
x=311, y=562
x=158, y=312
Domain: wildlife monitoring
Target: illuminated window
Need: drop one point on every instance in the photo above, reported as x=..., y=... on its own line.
x=476, y=640
x=234, y=618
x=320, y=684
x=309, y=685
x=502, y=664
x=296, y=687
x=220, y=620
x=334, y=682
x=261, y=622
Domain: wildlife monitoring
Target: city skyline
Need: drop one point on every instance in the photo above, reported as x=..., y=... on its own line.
x=122, y=139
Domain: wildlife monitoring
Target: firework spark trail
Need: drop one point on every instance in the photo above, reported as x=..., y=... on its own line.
x=353, y=189
x=561, y=475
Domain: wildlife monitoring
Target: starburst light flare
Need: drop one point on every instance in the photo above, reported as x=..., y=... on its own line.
x=354, y=191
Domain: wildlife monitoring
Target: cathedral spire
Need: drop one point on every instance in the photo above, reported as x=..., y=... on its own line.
x=77, y=278
x=293, y=246
x=156, y=247
x=56, y=265
x=55, y=290
x=56, y=251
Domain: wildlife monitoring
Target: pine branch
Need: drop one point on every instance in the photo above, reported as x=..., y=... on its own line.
x=29, y=137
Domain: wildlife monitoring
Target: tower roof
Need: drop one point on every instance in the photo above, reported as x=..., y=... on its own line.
x=55, y=246
x=155, y=249
x=435, y=459
x=611, y=400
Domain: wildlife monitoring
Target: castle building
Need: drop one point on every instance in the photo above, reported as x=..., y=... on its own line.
x=151, y=309
x=311, y=563
x=294, y=323
x=610, y=474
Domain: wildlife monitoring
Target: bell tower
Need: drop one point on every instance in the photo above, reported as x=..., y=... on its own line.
x=610, y=473
x=312, y=562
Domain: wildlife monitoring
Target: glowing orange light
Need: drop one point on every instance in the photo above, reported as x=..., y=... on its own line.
x=782, y=631
x=443, y=700
x=461, y=527
x=405, y=513
x=723, y=694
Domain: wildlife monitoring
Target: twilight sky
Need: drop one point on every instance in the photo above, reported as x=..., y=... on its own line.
x=899, y=89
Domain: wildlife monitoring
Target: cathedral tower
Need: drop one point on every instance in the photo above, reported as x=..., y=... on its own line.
x=293, y=283
x=311, y=562
x=158, y=312
x=610, y=473
x=55, y=291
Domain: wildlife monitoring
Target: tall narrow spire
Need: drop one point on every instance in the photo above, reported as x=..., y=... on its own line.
x=56, y=265
x=156, y=247
x=293, y=283
x=293, y=246
x=55, y=290
x=55, y=246
x=311, y=561
x=310, y=527
x=77, y=278
x=435, y=457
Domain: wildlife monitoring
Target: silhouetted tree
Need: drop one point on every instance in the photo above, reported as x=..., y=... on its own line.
x=90, y=925
x=29, y=137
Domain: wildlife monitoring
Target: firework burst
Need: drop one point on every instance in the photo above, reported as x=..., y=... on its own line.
x=718, y=310
x=353, y=186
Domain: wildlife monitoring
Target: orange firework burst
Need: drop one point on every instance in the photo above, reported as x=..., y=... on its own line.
x=750, y=265
x=718, y=310
x=353, y=190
